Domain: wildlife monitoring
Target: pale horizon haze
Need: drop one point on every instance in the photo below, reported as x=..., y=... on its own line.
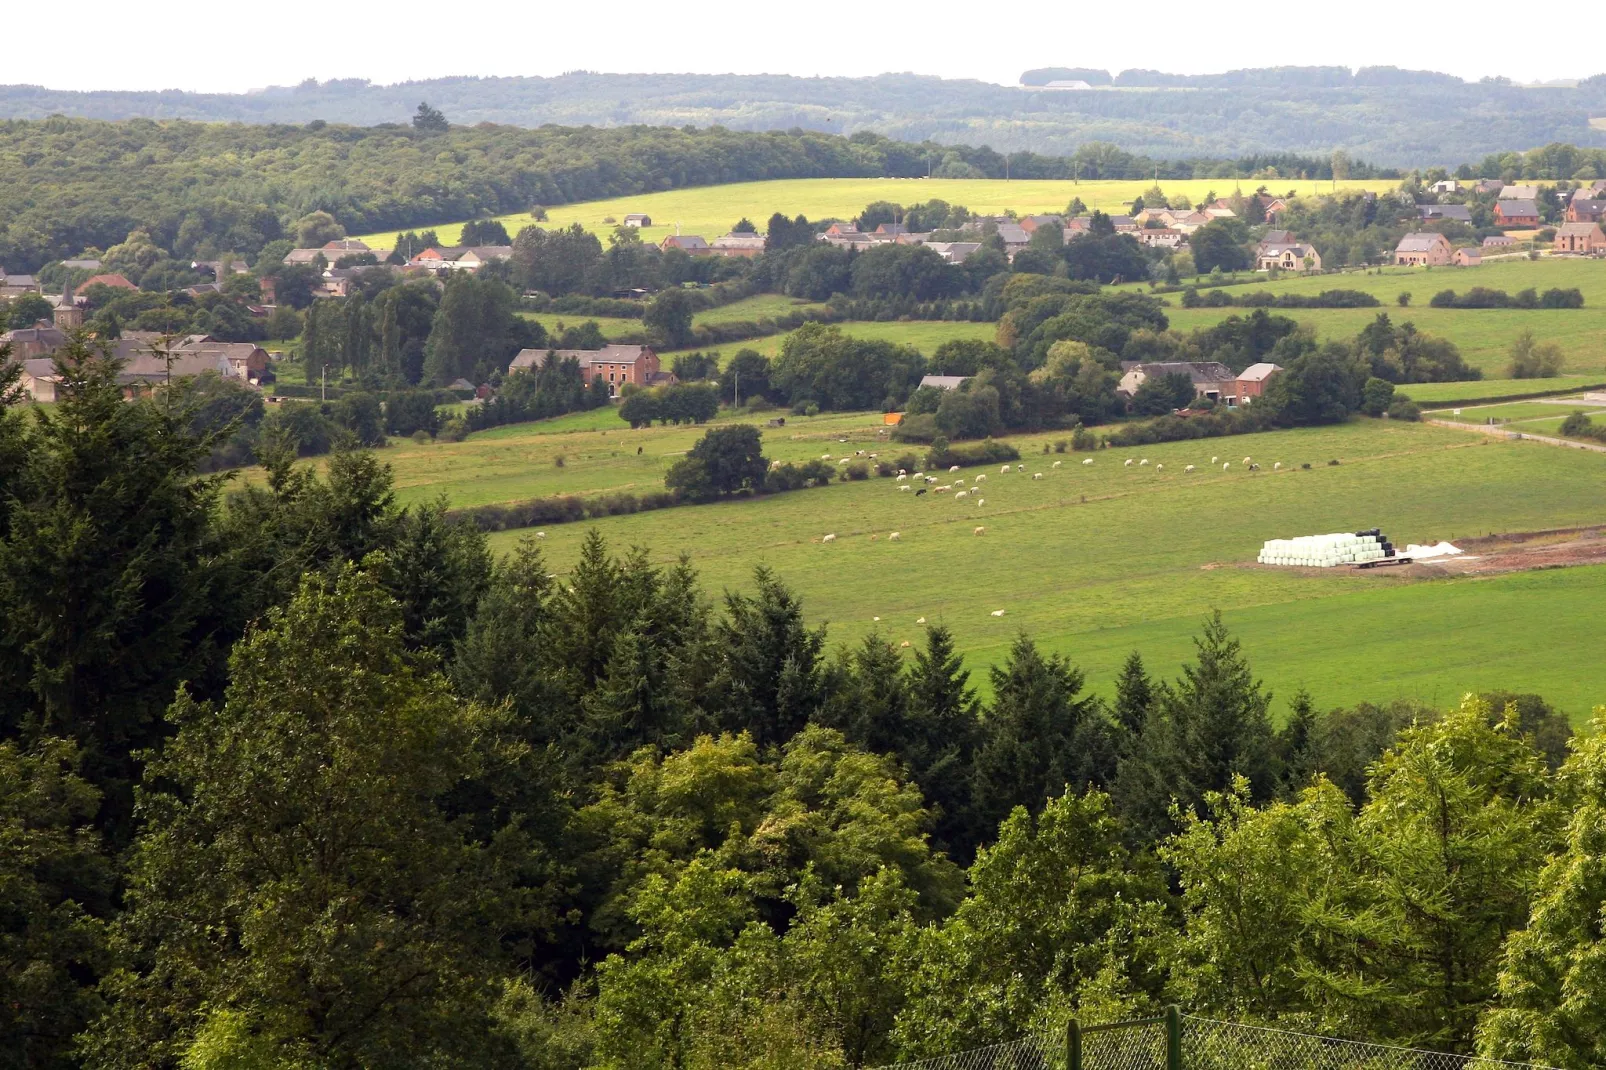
x=235, y=48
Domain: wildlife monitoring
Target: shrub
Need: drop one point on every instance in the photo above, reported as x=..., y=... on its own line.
x=1404, y=300
x=856, y=470
x=1578, y=425
x=453, y=430
x=987, y=451
x=1083, y=440
x=1059, y=445
x=1405, y=409
x=420, y=437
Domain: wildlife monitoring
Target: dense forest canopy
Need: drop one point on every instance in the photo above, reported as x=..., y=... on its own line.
x=1402, y=118
x=204, y=190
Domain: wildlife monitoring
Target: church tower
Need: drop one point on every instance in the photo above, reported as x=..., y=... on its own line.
x=67, y=315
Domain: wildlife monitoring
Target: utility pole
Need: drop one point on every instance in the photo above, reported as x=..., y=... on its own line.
x=737, y=394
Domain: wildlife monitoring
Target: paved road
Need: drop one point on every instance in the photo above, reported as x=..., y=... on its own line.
x=1505, y=431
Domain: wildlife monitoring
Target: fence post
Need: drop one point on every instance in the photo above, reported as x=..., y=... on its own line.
x=1173, y=1037
x=1073, y=1045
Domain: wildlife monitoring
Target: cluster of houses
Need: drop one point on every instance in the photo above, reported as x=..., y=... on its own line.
x=1516, y=207
x=439, y=260
x=147, y=361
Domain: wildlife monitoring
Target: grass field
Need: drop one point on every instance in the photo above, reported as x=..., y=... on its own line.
x=1097, y=560
x=713, y=210
x=1484, y=336
x=1430, y=394
x=1522, y=411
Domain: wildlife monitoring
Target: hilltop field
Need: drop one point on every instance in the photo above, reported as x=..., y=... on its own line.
x=1098, y=560
x=713, y=210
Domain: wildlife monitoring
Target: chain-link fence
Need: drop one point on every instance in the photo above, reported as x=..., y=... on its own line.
x=1177, y=1041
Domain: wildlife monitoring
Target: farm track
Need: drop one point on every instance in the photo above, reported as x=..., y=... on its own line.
x=1504, y=431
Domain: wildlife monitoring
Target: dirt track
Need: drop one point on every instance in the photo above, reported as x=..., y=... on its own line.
x=1524, y=551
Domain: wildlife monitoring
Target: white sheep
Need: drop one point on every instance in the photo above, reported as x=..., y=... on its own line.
x=1213, y=460
x=922, y=620
x=843, y=460
x=540, y=534
x=860, y=453
x=959, y=482
x=998, y=613
x=875, y=620
x=825, y=456
x=1088, y=461
x=981, y=501
x=904, y=487
x=1160, y=467
x=1188, y=469
x=1128, y=463
x=1246, y=460
x=931, y=479
x=1056, y=464
x=895, y=536
x=1277, y=466
x=979, y=531
x=953, y=468
x=918, y=475
x=944, y=489
x=1020, y=468
x=962, y=494
x=904, y=472
x=829, y=538
x=1004, y=471
x=903, y=644
x=1225, y=465
x=872, y=456
x=1037, y=475
x=982, y=478
x=902, y=478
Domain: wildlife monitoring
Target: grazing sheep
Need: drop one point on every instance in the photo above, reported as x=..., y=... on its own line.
x=998, y=613
x=1277, y=466
x=918, y=475
x=1004, y=471
x=1188, y=469
x=919, y=492
x=1037, y=475
x=953, y=468
x=904, y=643
x=962, y=494
x=1213, y=460
x=1128, y=463
x=1225, y=465
x=981, y=478
x=1056, y=464
x=844, y=460
x=959, y=482
x=895, y=536
x=825, y=456
x=922, y=620
x=874, y=537
x=901, y=477
x=1160, y=467
x=1246, y=460
x=860, y=453
x=1020, y=468
x=829, y=538
x=1143, y=462
x=876, y=619
x=981, y=501
x=540, y=534
x=979, y=531
x=872, y=456
x=1088, y=461
x=904, y=487
x=1254, y=468
x=842, y=440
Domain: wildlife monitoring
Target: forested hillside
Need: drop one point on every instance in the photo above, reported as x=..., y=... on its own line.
x=1403, y=118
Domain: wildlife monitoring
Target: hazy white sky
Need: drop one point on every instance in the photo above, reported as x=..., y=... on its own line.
x=231, y=47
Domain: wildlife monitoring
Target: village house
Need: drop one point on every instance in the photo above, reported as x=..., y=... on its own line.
x=841, y=230
x=1488, y=185
x=1251, y=382
x=1030, y=223
x=1423, y=249
x=1014, y=237
x=1210, y=379
x=616, y=364
x=1499, y=241
x=1287, y=256
x=1468, y=257
x=686, y=243
x=1447, y=185
x=1580, y=238
x=954, y=252
x=1585, y=210
x=17, y=285
x=1124, y=224
x=1514, y=213
x=477, y=256
x=1162, y=237
x=145, y=367
x=943, y=382
x=115, y=280
x=1519, y=193
x=737, y=243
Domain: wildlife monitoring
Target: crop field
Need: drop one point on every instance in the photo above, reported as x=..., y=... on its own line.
x=1484, y=336
x=713, y=210
x=1097, y=560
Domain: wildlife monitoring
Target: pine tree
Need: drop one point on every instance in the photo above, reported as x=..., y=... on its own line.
x=939, y=745
x=1134, y=698
x=769, y=682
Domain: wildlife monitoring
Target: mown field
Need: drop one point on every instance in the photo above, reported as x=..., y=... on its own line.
x=1098, y=560
x=1484, y=336
x=712, y=210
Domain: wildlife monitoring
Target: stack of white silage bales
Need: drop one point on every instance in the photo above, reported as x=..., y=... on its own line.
x=1324, y=551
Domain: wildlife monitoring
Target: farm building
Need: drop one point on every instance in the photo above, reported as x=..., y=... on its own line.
x=1489, y=185
x=638, y=219
x=943, y=382
x=1499, y=241
x=1585, y=238
x=1519, y=193
x=1458, y=212
x=1211, y=379
x=1468, y=257
x=1251, y=382
x=616, y=364
x=1511, y=213
x=737, y=244
x=114, y=280
x=1448, y=185
x=1161, y=237
x=686, y=243
x=1423, y=249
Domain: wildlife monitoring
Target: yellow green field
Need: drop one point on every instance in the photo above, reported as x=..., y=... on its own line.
x=713, y=210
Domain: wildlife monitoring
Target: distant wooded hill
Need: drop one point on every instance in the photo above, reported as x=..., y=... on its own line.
x=1389, y=116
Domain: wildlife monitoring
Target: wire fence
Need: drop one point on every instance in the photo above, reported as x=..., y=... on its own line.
x=1177, y=1041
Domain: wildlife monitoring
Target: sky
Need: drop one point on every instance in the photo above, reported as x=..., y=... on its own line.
x=233, y=47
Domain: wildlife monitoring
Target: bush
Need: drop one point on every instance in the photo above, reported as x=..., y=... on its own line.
x=1377, y=396
x=789, y=476
x=1578, y=425
x=1083, y=440
x=453, y=430
x=988, y=451
x=1405, y=409
x=922, y=427
x=1532, y=359
x=410, y=411
x=856, y=470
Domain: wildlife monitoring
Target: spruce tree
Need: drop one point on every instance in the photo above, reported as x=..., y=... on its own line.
x=769, y=680
x=1134, y=697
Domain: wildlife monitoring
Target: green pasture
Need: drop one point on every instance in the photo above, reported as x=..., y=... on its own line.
x=1484, y=336
x=712, y=210
x=1097, y=560
x=1430, y=394
x=1521, y=411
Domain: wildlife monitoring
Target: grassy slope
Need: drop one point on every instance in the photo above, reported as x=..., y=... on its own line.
x=1098, y=560
x=713, y=210
x=1484, y=336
